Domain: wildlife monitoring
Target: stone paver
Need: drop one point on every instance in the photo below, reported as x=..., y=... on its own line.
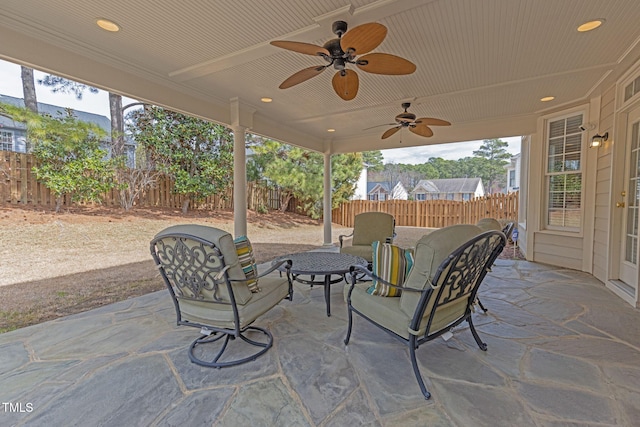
x=562, y=350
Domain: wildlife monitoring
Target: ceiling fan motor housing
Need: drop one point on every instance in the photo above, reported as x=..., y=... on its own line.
x=405, y=117
x=333, y=46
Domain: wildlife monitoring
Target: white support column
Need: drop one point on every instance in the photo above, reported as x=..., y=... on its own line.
x=239, y=182
x=326, y=203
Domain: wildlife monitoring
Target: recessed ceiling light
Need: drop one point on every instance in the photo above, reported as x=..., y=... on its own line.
x=266, y=99
x=547, y=98
x=590, y=25
x=108, y=25
x=331, y=130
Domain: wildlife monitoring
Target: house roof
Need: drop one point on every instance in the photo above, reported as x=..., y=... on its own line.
x=54, y=111
x=512, y=162
x=383, y=185
x=452, y=185
x=481, y=65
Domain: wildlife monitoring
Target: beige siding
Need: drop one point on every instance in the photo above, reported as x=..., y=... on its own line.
x=522, y=240
x=558, y=250
x=603, y=188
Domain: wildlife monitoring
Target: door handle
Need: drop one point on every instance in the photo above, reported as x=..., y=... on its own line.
x=620, y=205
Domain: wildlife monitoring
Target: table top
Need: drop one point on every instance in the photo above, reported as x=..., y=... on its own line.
x=321, y=262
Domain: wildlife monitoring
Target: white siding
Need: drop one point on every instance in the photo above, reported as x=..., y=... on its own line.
x=361, y=186
x=399, y=192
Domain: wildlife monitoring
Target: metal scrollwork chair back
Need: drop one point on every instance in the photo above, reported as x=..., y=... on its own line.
x=209, y=289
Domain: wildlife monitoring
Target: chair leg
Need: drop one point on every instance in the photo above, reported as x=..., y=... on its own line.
x=210, y=339
x=481, y=344
x=481, y=306
x=416, y=370
x=350, y=315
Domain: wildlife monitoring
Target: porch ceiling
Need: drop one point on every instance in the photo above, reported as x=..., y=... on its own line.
x=481, y=64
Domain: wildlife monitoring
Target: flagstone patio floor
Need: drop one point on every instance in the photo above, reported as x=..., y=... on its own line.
x=562, y=351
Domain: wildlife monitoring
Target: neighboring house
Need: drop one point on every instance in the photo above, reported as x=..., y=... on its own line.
x=513, y=174
x=384, y=191
x=460, y=189
x=360, y=192
x=13, y=135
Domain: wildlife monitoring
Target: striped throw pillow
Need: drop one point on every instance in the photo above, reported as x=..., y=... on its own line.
x=391, y=263
x=247, y=262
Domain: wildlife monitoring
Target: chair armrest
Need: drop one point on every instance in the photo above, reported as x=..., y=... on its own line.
x=276, y=266
x=287, y=265
x=342, y=236
x=357, y=269
x=269, y=270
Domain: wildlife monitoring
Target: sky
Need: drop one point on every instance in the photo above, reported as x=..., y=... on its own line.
x=452, y=151
x=11, y=85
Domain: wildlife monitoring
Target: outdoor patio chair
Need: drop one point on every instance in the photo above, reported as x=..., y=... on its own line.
x=486, y=224
x=437, y=295
x=368, y=227
x=493, y=224
x=508, y=229
x=213, y=292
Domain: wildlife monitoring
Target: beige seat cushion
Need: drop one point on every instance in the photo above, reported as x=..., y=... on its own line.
x=384, y=311
x=488, y=224
x=387, y=312
x=369, y=227
x=273, y=289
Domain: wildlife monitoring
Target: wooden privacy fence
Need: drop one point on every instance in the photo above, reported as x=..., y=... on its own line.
x=432, y=213
x=18, y=185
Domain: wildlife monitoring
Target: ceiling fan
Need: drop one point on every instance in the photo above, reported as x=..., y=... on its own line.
x=418, y=126
x=342, y=51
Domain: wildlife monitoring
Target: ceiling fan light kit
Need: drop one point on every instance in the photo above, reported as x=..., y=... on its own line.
x=341, y=52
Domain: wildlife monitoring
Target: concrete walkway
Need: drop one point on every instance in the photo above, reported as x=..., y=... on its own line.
x=563, y=350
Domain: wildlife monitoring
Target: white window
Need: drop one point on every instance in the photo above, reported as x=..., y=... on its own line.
x=421, y=196
x=512, y=178
x=6, y=140
x=564, y=173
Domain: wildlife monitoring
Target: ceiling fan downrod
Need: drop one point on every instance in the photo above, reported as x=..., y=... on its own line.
x=339, y=28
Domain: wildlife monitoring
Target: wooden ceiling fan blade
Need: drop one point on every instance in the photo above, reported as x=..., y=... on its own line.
x=385, y=63
x=430, y=121
x=390, y=132
x=301, y=76
x=346, y=86
x=306, y=48
x=422, y=130
x=377, y=126
x=363, y=38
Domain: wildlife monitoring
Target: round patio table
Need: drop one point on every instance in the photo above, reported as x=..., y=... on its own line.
x=321, y=264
